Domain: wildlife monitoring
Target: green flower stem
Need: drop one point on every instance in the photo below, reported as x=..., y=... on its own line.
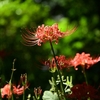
x=24, y=89
x=12, y=77
x=84, y=73
x=56, y=86
x=24, y=95
x=0, y=95
x=12, y=71
x=12, y=98
x=61, y=84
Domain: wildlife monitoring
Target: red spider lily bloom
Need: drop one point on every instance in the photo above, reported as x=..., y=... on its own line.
x=83, y=92
x=23, y=79
x=6, y=91
x=37, y=92
x=62, y=62
x=44, y=33
x=19, y=90
x=84, y=59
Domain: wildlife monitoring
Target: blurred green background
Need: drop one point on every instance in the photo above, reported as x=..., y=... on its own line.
x=16, y=15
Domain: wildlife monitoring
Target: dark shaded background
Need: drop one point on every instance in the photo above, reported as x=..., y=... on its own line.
x=20, y=14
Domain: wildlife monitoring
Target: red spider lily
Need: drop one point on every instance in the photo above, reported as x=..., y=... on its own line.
x=6, y=91
x=83, y=92
x=23, y=79
x=62, y=62
x=37, y=92
x=44, y=33
x=19, y=90
x=84, y=59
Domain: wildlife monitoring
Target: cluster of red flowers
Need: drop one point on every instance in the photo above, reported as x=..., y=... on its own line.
x=80, y=59
x=52, y=33
x=7, y=92
x=84, y=92
x=10, y=89
x=44, y=33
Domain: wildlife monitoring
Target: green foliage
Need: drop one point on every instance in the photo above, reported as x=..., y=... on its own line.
x=14, y=17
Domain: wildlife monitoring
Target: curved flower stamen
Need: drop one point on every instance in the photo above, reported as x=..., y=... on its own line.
x=29, y=38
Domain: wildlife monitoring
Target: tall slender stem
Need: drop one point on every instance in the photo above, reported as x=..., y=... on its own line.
x=61, y=84
x=12, y=77
x=56, y=89
x=24, y=95
x=12, y=70
x=84, y=73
